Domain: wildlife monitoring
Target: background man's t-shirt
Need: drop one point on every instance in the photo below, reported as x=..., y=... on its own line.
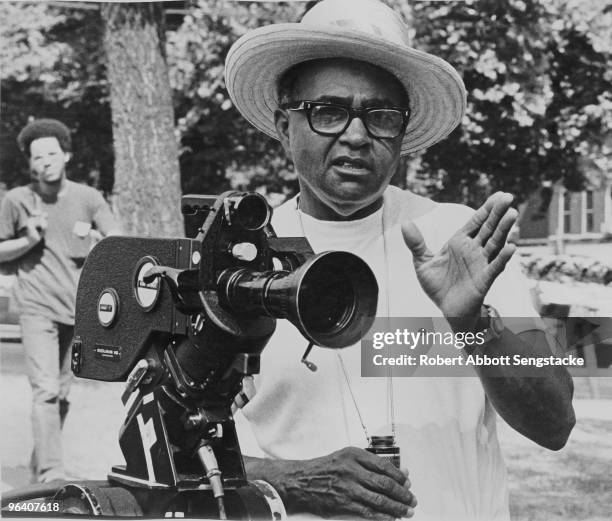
x=47, y=275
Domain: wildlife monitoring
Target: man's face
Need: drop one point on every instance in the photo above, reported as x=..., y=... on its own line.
x=344, y=174
x=48, y=160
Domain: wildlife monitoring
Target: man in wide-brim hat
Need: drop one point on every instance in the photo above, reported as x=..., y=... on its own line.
x=347, y=96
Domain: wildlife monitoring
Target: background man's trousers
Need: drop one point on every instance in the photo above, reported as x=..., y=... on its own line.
x=47, y=352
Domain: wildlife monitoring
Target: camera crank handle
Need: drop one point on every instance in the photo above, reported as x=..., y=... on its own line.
x=308, y=363
x=183, y=285
x=170, y=275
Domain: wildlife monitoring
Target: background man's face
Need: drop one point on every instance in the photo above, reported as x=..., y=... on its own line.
x=351, y=171
x=47, y=159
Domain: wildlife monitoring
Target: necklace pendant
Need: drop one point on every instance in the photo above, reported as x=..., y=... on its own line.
x=385, y=447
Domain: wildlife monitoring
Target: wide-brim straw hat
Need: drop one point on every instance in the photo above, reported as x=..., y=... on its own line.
x=364, y=30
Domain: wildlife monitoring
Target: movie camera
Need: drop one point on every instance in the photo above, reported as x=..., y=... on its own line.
x=183, y=321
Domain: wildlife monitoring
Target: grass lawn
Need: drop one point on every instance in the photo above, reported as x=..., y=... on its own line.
x=574, y=483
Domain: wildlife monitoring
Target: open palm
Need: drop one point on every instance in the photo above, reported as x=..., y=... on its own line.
x=458, y=277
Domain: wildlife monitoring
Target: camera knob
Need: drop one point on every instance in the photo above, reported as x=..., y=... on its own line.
x=244, y=251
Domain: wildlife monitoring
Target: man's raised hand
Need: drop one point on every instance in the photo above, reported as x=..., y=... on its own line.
x=458, y=277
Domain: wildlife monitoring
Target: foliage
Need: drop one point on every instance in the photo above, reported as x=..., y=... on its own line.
x=539, y=84
x=220, y=150
x=53, y=66
x=537, y=72
x=565, y=268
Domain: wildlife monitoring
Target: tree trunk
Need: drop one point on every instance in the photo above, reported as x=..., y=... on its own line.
x=147, y=177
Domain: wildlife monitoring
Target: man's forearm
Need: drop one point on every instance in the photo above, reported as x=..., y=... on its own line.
x=12, y=249
x=539, y=407
x=297, y=487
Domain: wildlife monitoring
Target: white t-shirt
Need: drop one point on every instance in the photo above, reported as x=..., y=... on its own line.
x=445, y=426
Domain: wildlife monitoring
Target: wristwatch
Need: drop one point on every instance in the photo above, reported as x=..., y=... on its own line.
x=490, y=324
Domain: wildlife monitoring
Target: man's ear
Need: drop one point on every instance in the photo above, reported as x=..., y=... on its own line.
x=281, y=122
x=67, y=157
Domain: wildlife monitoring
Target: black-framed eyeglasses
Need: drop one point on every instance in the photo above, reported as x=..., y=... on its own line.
x=332, y=119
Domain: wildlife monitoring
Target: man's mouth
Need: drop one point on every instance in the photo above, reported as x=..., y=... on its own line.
x=351, y=163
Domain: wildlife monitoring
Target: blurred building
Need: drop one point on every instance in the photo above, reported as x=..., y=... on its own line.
x=553, y=213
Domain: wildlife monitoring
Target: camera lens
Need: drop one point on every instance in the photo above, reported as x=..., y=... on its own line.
x=331, y=298
x=251, y=212
x=327, y=300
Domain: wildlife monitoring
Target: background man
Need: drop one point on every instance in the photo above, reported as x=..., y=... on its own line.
x=47, y=228
x=347, y=96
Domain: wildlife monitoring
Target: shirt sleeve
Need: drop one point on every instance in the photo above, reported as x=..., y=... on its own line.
x=12, y=219
x=103, y=218
x=246, y=436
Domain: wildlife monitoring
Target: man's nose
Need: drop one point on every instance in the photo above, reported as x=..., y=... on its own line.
x=356, y=134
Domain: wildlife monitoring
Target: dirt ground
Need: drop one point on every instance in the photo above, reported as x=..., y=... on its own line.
x=90, y=432
x=573, y=484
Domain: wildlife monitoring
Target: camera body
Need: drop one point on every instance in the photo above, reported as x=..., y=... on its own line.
x=224, y=289
x=120, y=315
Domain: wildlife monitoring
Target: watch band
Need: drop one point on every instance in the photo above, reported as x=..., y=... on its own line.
x=491, y=323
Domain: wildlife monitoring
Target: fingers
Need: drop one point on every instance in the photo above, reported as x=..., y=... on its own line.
x=480, y=216
x=38, y=220
x=405, y=472
x=490, y=226
x=379, y=487
x=408, y=484
x=498, y=264
x=378, y=503
x=379, y=465
x=388, y=483
x=42, y=222
x=415, y=242
x=497, y=202
x=34, y=229
x=501, y=203
x=498, y=238
x=374, y=504
x=389, y=487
